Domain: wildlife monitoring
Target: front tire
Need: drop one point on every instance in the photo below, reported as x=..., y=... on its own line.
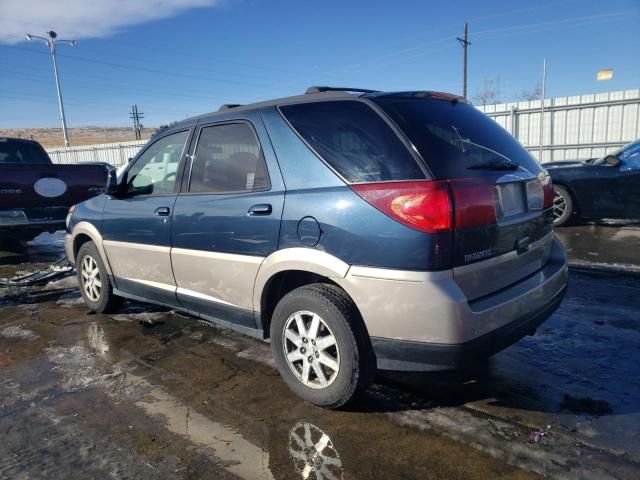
x=93, y=280
x=563, y=206
x=320, y=346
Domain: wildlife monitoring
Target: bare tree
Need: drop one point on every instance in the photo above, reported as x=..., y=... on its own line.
x=490, y=91
x=534, y=94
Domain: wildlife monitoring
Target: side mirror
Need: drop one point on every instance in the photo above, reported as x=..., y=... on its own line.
x=612, y=161
x=113, y=188
x=129, y=159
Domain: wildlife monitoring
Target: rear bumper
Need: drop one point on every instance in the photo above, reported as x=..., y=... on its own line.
x=405, y=355
x=20, y=220
x=424, y=321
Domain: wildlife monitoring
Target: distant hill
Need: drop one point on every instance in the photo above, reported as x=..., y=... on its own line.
x=52, y=137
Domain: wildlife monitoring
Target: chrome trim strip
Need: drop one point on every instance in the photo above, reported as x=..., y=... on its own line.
x=149, y=283
x=137, y=246
x=410, y=276
x=232, y=257
x=202, y=296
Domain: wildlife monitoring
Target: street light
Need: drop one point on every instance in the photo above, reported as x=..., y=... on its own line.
x=51, y=43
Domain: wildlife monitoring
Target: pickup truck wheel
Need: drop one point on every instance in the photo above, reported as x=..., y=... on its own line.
x=562, y=206
x=93, y=280
x=320, y=346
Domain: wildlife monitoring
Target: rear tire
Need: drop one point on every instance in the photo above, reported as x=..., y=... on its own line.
x=320, y=345
x=93, y=280
x=563, y=206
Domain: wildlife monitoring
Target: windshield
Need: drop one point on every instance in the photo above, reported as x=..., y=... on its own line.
x=17, y=151
x=454, y=138
x=629, y=149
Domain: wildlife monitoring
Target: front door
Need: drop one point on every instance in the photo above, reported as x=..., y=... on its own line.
x=137, y=222
x=226, y=220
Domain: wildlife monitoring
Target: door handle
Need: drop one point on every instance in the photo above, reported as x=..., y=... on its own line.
x=162, y=211
x=260, y=209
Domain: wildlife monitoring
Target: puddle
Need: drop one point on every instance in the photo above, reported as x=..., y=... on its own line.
x=240, y=457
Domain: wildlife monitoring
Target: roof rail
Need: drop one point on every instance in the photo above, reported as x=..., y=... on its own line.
x=338, y=89
x=228, y=106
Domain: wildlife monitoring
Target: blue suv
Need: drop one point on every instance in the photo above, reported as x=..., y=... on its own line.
x=354, y=229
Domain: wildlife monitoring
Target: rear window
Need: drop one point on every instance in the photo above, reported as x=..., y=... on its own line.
x=453, y=136
x=354, y=140
x=15, y=151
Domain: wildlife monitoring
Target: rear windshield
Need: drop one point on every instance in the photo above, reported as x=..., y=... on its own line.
x=454, y=136
x=354, y=140
x=15, y=151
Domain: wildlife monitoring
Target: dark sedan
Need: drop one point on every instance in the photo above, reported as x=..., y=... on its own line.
x=606, y=187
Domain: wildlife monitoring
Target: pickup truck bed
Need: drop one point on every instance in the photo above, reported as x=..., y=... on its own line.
x=35, y=194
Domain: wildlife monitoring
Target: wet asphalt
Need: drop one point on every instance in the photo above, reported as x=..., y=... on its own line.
x=150, y=393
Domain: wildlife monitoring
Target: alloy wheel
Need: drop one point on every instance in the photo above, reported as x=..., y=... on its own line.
x=311, y=349
x=559, y=205
x=91, y=281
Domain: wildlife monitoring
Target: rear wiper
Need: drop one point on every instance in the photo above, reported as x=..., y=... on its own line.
x=497, y=165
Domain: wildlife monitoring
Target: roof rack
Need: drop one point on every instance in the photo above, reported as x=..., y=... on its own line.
x=228, y=106
x=338, y=89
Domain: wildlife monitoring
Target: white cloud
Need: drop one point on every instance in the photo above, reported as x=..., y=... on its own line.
x=80, y=19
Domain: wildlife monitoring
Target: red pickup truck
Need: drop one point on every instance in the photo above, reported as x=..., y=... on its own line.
x=35, y=194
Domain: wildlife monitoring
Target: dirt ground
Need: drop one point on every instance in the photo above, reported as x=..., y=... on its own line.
x=151, y=393
x=53, y=138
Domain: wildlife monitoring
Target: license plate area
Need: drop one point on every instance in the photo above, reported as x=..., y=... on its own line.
x=512, y=200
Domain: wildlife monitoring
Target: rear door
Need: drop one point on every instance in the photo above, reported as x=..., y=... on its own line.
x=502, y=228
x=226, y=220
x=136, y=224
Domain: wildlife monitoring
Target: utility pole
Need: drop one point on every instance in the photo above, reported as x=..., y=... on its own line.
x=136, y=116
x=51, y=43
x=465, y=44
x=544, y=84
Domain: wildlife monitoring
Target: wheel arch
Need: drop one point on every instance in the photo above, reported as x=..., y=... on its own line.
x=84, y=232
x=288, y=269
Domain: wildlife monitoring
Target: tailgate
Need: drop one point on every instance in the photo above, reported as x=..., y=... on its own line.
x=39, y=186
x=492, y=257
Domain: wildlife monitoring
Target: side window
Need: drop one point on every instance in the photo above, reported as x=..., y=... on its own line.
x=228, y=158
x=155, y=170
x=352, y=138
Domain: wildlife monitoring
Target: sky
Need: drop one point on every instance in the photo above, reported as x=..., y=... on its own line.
x=179, y=58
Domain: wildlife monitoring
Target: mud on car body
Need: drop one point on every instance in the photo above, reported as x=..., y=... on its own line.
x=353, y=229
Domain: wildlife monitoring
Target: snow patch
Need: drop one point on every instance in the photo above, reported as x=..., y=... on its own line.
x=18, y=331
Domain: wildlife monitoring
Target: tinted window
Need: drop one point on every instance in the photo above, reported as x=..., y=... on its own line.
x=12, y=151
x=155, y=170
x=228, y=158
x=452, y=136
x=354, y=140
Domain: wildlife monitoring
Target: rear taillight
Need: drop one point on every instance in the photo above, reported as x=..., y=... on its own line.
x=547, y=191
x=474, y=200
x=434, y=206
x=423, y=205
x=535, y=195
